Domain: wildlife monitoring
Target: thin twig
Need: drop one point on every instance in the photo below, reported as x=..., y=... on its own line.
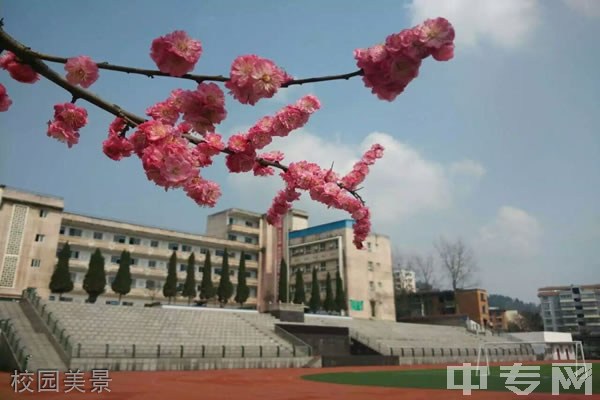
x=151, y=73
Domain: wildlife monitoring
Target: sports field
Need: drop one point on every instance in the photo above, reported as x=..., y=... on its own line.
x=279, y=384
x=437, y=379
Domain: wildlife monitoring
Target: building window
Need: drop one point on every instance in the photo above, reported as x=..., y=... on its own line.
x=182, y=267
x=185, y=247
x=119, y=239
x=248, y=240
x=230, y=221
x=74, y=254
x=150, y=284
x=127, y=303
x=134, y=261
x=232, y=254
x=98, y=235
x=39, y=238
x=219, y=253
x=232, y=237
x=482, y=296
x=62, y=230
x=483, y=309
x=370, y=266
x=152, y=264
x=322, y=267
x=35, y=263
x=115, y=259
x=247, y=256
x=203, y=251
x=43, y=213
x=250, y=224
x=379, y=284
x=133, y=240
x=217, y=271
x=74, y=232
x=371, y=285
x=154, y=243
x=173, y=246
x=369, y=246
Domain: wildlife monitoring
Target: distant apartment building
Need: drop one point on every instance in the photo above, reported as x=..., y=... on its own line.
x=367, y=274
x=404, y=280
x=472, y=303
x=570, y=308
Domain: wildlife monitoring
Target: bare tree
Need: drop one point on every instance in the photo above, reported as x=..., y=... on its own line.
x=424, y=267
x=398, y=259
x=458, y=262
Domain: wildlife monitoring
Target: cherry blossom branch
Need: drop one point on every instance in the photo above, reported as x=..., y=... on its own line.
x=151, y=73
x=30, y=57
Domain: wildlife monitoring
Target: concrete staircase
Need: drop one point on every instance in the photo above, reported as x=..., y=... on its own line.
x=33, y=337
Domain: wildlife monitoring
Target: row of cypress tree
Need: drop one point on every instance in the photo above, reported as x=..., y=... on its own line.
x=331, y=303
x=94, y=282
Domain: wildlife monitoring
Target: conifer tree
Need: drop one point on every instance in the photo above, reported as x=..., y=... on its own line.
x=299, y=295
x=61, y=281
x=242, y=291
x=329, y=304
x=315, y=293
x=207, y=289
x=283, y=282
x=225, y=289
x=340, y=295
x=94, y=282
x=170, y=287
x=189, y=287
x=122, y=283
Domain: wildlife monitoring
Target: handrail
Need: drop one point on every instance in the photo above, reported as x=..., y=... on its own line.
x=19, y=352
x=296, y=341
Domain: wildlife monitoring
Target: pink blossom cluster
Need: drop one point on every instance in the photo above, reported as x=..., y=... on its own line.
x=5, y=101
x=325, y=187
x=19, y=72
x=243, y=147
x=361, y=168
x=176, y=53
x=253, y=78
x=68, y=120
x=117, y=146
x=389, y=68
x=81, y=71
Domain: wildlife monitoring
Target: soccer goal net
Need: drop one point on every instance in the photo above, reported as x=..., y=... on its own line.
x=568, y=351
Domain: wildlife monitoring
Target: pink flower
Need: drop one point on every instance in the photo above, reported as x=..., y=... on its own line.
x=309, y=104
x=81, y=71
x=170, y=163
x=72, y=116
x=63, y=133
x=288, y=119
x=253, y=78
x=19, y=72
x=165, y=111
x=5, y=101
x=435, y=33
x=176, y=53
x=389, y=68
x=116, y=146
x=202, y=191
x=240, y=162
x=68, y=119
x=238, y=143
x=264, y=170
x=204, y=107
x=156, y=131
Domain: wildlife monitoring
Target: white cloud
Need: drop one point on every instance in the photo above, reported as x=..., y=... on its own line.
x=507, y=23
x=467, y=167
x=513, y=234
x=589, y=8
x=401, y=184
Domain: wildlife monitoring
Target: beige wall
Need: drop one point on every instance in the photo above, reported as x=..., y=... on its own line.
x=21, y=219
x=354, y=267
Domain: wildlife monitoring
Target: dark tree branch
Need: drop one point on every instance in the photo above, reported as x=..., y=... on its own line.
x=34, y=59
x=151, y=73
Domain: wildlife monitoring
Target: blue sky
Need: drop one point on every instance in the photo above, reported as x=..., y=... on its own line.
x=498, y=146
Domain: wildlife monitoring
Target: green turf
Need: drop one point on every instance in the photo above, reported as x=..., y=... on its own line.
x=436, y=379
